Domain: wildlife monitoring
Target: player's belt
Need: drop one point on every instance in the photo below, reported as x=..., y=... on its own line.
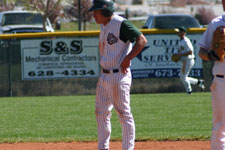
x=219, y=76
x=110, y=71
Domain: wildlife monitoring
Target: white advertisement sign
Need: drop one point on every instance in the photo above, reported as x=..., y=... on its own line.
x=58, y=58
x=76, y=58
x=155, y=59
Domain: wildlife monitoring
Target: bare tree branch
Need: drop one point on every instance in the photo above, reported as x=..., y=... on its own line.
x=72, y=11
x=7, y=5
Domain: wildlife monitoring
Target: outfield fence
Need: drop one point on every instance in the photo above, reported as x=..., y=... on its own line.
x=66, y=63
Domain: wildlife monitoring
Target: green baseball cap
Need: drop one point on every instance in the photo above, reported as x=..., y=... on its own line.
x=181, y=29
x=102, y=5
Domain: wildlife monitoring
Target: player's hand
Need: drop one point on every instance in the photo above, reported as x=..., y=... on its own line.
x=125, y=64
x=213, y=56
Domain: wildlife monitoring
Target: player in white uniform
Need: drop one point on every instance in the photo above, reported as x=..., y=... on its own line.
x=186, y=52
x=218, y=84
x=113, y=87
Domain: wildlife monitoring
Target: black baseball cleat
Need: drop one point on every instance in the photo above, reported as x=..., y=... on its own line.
x=201, y=84
x=189, y=93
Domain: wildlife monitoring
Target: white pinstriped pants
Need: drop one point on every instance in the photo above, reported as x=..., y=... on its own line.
x=185, y=70
x=113, y=90
x=218, y=108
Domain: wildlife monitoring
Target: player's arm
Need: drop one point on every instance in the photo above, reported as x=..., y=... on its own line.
x=188, y=46
x=138, y=46
x=208, y=55
x=131, y=33
x=207, y=51
x=177, y=56
x=185, y=54
x=203, y=53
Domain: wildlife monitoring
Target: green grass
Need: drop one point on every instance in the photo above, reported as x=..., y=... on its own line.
x=172, y=116
x=72, y=118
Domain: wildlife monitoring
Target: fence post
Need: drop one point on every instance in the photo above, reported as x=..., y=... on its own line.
x=79, y=15
x=10, y=65
x=6, y=45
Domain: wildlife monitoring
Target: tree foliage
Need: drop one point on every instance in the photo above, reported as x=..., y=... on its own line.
x=137, y=2
x=72, y=11
x=204, y=15
x=50, y=8
x=7, y=5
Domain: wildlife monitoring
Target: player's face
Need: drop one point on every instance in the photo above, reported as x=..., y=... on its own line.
x=98, y=16
x=181, y=34
x=223, y=2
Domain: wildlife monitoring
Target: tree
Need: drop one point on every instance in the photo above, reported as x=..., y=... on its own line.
x=7, y=5
x=137, y=2
x=204, y=15
x=50, y=8
x=72, y=11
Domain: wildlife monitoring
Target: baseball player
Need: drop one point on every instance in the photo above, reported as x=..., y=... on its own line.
x=113, y=87
x=187, y=59
x=218, y=84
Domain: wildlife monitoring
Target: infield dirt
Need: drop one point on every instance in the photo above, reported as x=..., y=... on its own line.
x=148, y=145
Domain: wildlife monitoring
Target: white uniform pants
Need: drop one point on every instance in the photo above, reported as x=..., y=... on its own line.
x=185, y=70
x=218, y=108
x=113, y=90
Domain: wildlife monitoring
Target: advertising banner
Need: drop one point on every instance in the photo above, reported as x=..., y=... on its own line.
x=155, y=59
x=79, y=57
x=58, y=58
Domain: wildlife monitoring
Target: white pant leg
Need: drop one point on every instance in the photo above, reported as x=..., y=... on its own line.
x=185, y=70
x=121, y=103
x=103, y=113
x=218, y=108
x=114, y=90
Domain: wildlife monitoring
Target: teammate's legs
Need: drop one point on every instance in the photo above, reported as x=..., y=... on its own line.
x=121, y=102
x=218, y=103
x=190, y=63
x=192, y=80
x=103, y=114
x=185, y=70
